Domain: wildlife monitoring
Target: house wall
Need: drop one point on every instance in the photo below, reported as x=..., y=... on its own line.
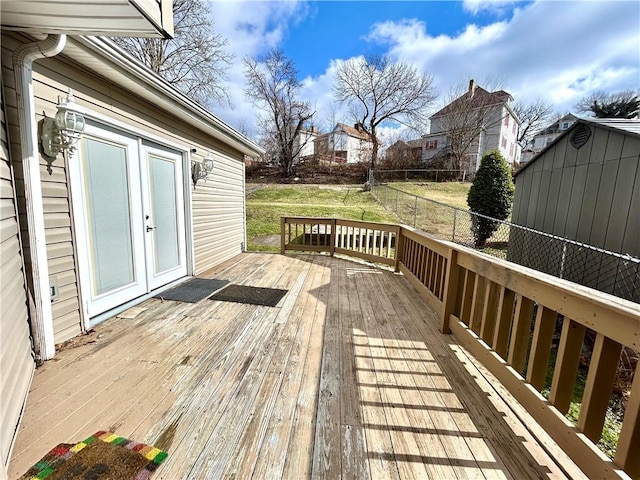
x=489, y=139
x=217, y=204
x=16, y=361
x=357, y=150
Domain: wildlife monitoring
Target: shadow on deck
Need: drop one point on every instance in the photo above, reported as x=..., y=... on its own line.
x=348, y=377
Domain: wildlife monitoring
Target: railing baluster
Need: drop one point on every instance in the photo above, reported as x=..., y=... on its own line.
x=520, y=333
x=567, y=360
x=467, y=297
x=489, y=312
x=629, y=443
x=503, y=326
x=541, y=347
x=599, y=385
x=477, y=305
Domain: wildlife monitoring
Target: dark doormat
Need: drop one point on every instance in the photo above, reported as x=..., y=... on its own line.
x=269, y=297
x=103, y=456
x=193, y=290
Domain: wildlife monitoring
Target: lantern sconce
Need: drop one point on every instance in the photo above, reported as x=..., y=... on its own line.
x=200, y=171
x=63, y=131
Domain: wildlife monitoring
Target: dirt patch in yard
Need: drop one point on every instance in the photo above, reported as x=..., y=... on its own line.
x=269, y=240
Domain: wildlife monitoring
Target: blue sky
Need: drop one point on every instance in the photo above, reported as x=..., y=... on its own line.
x=334, y=29
x=556, y=50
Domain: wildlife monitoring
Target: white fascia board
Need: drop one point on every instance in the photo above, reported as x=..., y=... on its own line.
x=120, y=67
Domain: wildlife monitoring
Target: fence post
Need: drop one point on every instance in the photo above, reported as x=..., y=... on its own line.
x=450, y=290
x=415, y=212
x=455, y=216
x=282, y=230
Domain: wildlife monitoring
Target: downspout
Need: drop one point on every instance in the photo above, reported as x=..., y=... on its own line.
x=41, y=313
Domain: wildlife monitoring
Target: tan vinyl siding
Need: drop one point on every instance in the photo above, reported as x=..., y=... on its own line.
x=67, y=319
x=218, y=214
x=16, y=361
x=217, y=204
x=218, y=222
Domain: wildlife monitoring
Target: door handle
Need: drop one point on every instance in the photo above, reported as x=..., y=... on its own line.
x=150, y=228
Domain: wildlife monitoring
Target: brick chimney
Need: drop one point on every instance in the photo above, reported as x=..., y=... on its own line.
x=472, y=87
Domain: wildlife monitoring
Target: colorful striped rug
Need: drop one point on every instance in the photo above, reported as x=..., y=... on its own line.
x=102, y=456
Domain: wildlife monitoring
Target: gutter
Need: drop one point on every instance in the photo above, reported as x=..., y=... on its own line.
x=40, y=312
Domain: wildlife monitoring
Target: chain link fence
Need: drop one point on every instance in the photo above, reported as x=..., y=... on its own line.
x=584, y=264
x=427, y=175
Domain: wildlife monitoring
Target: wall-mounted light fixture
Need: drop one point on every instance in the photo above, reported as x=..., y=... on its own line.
x=200, y=171
x=63, y=131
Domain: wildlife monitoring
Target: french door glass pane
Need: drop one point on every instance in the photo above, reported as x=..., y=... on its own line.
x=164, y=215
x=108, y=215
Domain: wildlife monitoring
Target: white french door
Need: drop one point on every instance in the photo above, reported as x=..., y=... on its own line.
x=163, y=207
x=131, y=235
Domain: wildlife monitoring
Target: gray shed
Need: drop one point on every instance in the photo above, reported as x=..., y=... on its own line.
x=585, y=186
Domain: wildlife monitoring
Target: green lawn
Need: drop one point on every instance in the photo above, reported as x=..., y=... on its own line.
x=266, y=204
x=451, y=193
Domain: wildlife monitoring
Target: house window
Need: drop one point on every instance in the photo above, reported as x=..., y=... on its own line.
x=513, y=129
x=504, y=142
x=511, y=150
x=565, y=125
x=432, y=144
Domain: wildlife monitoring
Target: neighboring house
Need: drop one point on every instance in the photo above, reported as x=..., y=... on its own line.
x=89, y=232
x=584, y=186
x=487, y=121
x=304, y=144
x=543, y=138
x=345, y=144
x=404, y=152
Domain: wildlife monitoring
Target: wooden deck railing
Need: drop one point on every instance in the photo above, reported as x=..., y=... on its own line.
x=507, y=316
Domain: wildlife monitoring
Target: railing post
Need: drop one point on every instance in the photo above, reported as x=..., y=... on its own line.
x=450, y=290
x=333, y=237
x=282, y=232
x=399, y=248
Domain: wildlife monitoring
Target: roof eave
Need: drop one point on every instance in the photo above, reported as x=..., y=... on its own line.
x=161, y=92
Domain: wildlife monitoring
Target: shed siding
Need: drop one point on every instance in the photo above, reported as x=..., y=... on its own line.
x=591, y=195
x=16, y=361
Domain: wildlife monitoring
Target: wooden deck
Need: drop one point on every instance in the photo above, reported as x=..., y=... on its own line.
x=348, y=377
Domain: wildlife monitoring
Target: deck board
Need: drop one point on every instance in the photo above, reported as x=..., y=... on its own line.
x=348, y=377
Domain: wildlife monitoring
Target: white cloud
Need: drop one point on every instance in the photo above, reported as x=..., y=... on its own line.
x=252, y=28
x=560, y=51
x=496, y=6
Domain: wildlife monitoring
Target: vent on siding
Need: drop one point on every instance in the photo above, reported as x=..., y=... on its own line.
x=580, y=136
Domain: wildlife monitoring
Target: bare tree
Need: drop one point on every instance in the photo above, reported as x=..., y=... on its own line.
x=274, y=88
x=465, y=118
x=377, y=89
x=611, y=105
x=195, y=61
x=534, y=117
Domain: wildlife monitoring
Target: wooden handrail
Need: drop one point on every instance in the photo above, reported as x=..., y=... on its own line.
x=507, y=316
